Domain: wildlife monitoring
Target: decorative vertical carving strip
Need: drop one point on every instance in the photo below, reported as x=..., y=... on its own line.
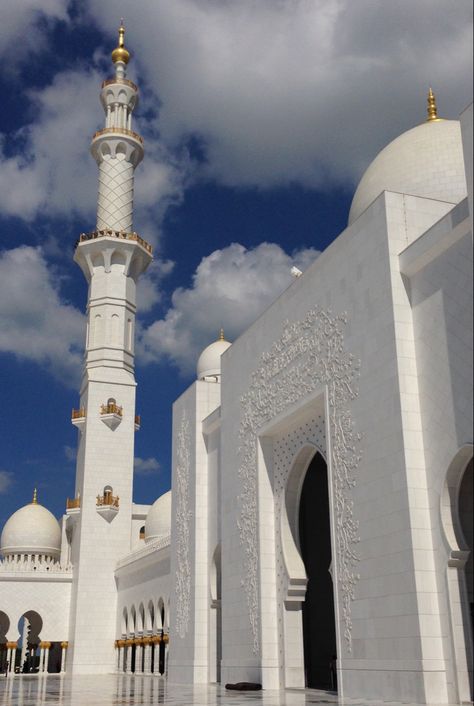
x=309, y=354
x=183, y=513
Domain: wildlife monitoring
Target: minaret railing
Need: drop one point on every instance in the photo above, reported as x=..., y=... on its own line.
x=109, y=233
x=119, y=131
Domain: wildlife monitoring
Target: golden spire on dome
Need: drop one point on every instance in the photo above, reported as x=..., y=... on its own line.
x=35, y=497
x=432, y=108
x=120, y=53
x=221, y=335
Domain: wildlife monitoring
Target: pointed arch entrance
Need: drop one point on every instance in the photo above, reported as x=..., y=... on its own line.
x=319, y=626
x=309, y=610
x=456, y=520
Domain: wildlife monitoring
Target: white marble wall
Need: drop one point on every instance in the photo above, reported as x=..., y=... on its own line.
x=143, y=584
x=49, y=598
x=191, y=513
x=387, y=650
x=440, y=291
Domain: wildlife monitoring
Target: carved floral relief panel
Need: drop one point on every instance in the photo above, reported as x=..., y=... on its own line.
x=309, y=355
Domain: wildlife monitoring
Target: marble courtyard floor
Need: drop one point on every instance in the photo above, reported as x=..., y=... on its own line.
x=127, y=690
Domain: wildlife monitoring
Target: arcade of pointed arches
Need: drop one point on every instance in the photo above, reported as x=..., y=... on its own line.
x=30, y=653
x=143, y=645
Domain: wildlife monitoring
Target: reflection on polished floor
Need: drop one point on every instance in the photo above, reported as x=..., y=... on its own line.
x=128, y=690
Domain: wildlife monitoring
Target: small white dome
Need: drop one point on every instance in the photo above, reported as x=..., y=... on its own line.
x=158, y=520
x=209, y=362
x=426, y=161
x=31, y=530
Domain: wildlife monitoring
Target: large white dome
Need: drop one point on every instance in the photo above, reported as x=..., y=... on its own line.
x=31, y=530
x=209, y=362
x=425, y=161
x=158, y=520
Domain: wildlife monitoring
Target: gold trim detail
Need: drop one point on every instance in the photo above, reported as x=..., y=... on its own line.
x=111, y=408
x=121, y=81
x=73, y=503
x=108, y=500
x=120, y=53
x=432, y=108
x=121, y=234
x=118, y=130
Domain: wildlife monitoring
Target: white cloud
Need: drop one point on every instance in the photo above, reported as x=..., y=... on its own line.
x=6, y=479
x=305, y=90
x=23, y=20
x=231, y=287
x=34, y=323
x=52, y=173
x=148, y=288
x=70, y=453
x=276, y=91
x=145, y=466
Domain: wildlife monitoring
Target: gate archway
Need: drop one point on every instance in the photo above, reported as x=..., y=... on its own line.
x=309, y=612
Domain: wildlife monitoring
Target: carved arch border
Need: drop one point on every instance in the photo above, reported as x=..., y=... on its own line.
x=456, y=552
x=310, y=354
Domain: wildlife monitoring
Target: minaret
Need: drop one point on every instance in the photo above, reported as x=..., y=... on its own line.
x=112, y=258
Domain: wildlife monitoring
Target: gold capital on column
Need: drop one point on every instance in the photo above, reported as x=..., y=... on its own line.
x=64, y=645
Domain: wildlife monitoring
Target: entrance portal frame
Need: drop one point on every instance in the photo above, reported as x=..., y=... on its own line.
x=457, y=554
x=281, y=473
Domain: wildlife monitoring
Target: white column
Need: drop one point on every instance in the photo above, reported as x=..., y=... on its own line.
x=11, y=654
x=128, y=659
x=64, y=646
x=155, y=657
x=166, y=655
x=147, y=657
x=46, y=657
x=138, y=659
x=119, y=656
x=41, y=659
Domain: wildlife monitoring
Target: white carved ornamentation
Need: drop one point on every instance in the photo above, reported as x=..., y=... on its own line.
x=285, y=449
x=308, y=356
x=183, y=514
x=115, y=197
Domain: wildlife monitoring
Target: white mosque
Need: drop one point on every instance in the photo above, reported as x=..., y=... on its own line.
x=319, y=528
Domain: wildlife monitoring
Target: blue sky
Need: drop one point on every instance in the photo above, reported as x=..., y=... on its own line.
x=259, y=117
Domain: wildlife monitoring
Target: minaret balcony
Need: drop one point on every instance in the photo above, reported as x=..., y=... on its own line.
x=121, y=81
x=99, y=248
x=138, y=422
x=78, y=417
x=107, y=141
x=120, y=234
x=73, y=505
x=113, y=131
x=107, y=505
x=111, y=414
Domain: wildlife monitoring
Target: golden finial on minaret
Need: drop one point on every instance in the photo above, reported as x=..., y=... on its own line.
x=120, y=53
x=35, y=497
x=221, y=335
x=432, y=108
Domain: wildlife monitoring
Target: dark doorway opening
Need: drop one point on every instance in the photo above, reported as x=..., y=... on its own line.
x=319, y=626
